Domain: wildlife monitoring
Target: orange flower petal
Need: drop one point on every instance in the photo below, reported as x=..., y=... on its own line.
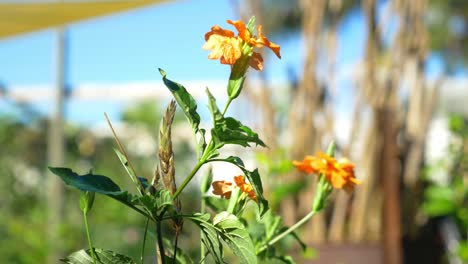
x=242, y=30
x=245, y=187
x=222, y=188
x=340, y=174
x=256, y=61
x=227, y=49
x=217, y=30
x=263, y=41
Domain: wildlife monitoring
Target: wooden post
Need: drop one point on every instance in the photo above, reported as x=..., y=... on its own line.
x=56, y=153
x=391, y=187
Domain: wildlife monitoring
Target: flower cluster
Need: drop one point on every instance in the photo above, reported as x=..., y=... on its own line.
x=228, y=48
x=340, y=174
x=224, y=188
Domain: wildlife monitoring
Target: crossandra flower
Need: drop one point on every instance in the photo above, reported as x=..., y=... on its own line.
x=340, y=174
x=228, y=48
x=245, y=187
x=224, y=188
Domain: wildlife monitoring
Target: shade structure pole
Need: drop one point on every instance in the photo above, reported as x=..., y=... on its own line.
x=56, y=150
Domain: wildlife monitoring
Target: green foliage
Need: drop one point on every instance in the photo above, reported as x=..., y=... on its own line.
x=463, y=250
x=86, y=201
x=209, y=236
x=439, y=201
x=445, y=35
x=128, y=169
x=231, y=131
x=184, y=100
x=451, y=200
x=254, y=179
x=233, y=232
x=266, y=229
x=103, y=257
x=228, y=130
x=105, y=186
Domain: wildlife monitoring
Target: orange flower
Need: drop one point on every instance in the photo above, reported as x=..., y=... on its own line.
x=340, y=174
x=229, y=48
x=223, y=46
x=222, y=188
x=245, y=187
x=262, y=41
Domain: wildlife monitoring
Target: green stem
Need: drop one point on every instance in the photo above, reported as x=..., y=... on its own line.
x=162, y=254
x=89, y=237
x=227, y=105
x=189, y=178
x=174, y=257
x=202, y=245
x=287, y=232
x=202, y=160
x=144, y=241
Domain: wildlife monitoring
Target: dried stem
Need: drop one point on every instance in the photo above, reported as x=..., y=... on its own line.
x=123, y=151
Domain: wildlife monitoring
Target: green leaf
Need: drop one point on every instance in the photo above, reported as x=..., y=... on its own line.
x=202, y=141
x=86, y=201
x=255, y=181
x=215, y=113
x=154, y=203
x=209, y=235
x=251, y=25
x=96, y=183
x=439, y=207
x=463, y=250
x=184, y=100
x=236, y=80
x=136, y=180
x=103, y=257
x=439, y=201
x=89, y=182
x=231, y=131
x=272, y=224
x=228, y=130
x=236, y=237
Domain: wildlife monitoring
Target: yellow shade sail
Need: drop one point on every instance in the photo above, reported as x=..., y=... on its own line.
x=24, y=17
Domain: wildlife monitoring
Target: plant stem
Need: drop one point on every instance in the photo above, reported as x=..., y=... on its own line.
x=287, y=232
x=89, y=237
x=203, y=158
x=189, y=178
x=202, y=245
x=160, y=242
x=174, y=257
x=134, y=178
x=144, y=241
x=227, y=105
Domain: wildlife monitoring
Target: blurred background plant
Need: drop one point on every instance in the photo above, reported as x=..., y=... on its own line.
x=446, y=194
x=23, y=209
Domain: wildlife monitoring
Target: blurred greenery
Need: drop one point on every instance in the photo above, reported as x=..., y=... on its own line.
x=23, y=209
x=451, y=200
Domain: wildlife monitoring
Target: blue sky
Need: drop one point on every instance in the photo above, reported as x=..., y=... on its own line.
x=130, y=46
